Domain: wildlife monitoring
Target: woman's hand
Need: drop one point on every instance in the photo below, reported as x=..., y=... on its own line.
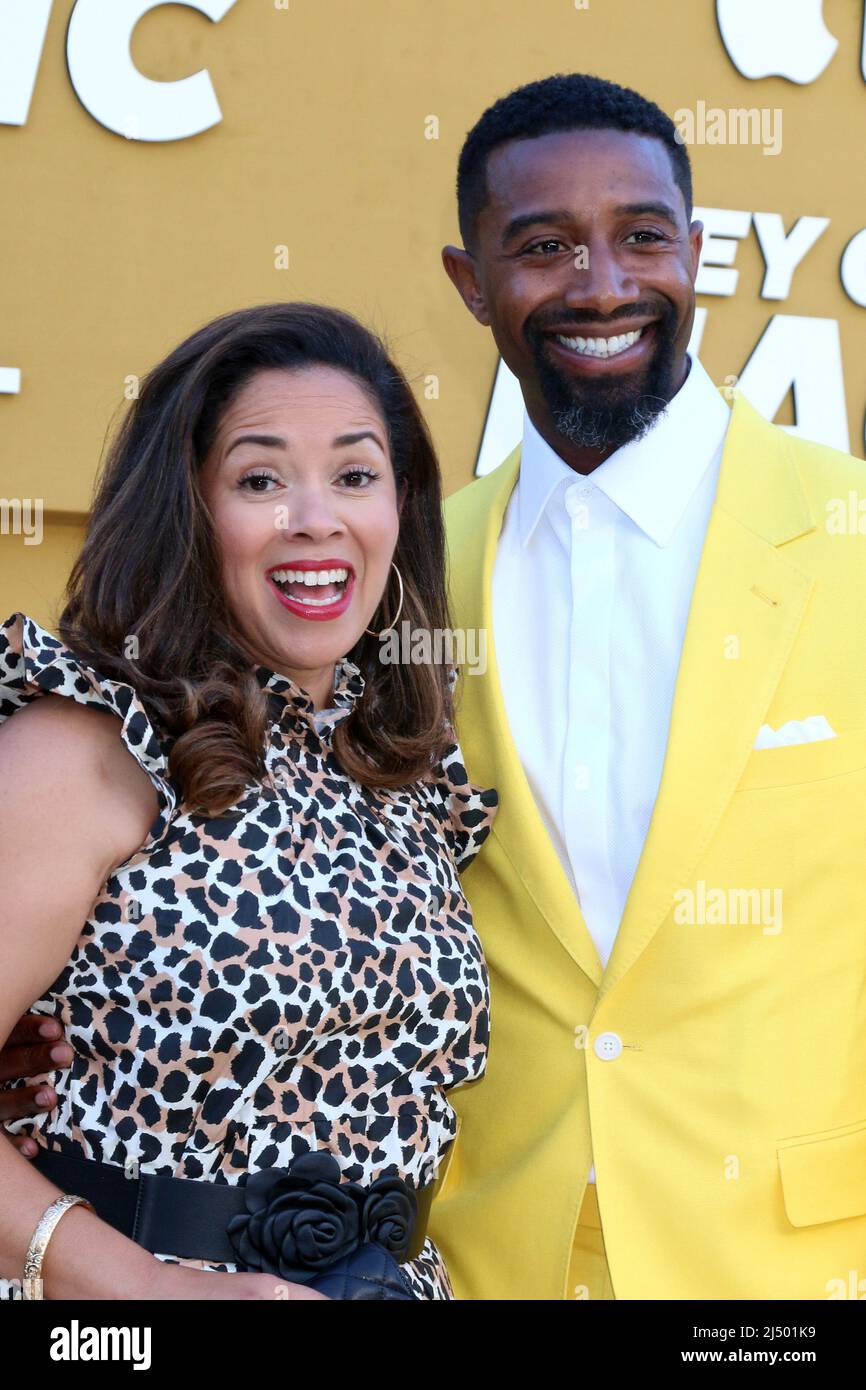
x=35, y=1045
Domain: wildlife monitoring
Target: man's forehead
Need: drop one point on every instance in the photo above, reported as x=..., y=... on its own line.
x=624, y=165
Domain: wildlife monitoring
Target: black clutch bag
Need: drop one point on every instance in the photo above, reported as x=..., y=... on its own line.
x=369, y=1272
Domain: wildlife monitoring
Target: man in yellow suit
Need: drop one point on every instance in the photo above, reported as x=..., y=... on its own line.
x=673, y=897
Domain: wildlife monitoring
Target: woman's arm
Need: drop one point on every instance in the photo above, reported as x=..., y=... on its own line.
x=75, y=804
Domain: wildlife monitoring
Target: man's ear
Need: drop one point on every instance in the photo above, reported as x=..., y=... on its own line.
x=460, y=268
x=696, y=238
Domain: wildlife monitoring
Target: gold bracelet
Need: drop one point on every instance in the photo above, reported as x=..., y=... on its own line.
x=39, y=1244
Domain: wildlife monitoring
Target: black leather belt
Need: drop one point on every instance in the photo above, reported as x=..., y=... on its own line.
x=174, y=1216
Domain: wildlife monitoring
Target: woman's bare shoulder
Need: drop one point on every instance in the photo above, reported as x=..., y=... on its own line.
x=72, y=756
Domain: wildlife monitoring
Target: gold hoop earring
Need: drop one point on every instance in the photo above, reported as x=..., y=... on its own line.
x=399, y=607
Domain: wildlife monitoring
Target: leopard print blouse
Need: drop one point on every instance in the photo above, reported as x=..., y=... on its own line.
x=299, y=973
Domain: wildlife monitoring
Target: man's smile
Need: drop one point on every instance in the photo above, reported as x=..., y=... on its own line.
x=595, y=354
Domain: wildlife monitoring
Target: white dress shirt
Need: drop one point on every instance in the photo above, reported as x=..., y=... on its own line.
x=592, y=583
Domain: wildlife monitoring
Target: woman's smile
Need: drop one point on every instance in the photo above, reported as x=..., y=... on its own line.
x=317, y=590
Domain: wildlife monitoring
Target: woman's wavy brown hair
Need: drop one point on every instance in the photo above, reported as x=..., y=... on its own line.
x=149, y=569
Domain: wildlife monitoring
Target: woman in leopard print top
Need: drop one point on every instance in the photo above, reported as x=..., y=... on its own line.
x=295, y=970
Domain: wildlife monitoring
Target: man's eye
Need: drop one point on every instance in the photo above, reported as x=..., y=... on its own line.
x=252, y=478
x=648, y=232
x=539, y=245
x=358, y=477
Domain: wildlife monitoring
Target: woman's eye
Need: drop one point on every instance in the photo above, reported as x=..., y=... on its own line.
x=253, y=478
x=358, y=477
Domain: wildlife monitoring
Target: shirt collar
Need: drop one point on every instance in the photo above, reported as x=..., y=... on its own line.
x=652, y=479
x=287, y=694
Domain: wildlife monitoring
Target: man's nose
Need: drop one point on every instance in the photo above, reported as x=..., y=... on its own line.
x=599, y=282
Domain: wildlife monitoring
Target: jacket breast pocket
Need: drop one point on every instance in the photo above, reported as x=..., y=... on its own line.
x=805, y=762
x=824, y=1174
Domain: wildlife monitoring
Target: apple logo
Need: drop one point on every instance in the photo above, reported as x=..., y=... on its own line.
x=776, y=38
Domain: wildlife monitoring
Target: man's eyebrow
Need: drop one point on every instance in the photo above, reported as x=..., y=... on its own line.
x=649, y=209
x=529, y=219
x=270, y=441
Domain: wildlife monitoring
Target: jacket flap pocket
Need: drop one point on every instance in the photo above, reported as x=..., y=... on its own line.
x=824, y=1175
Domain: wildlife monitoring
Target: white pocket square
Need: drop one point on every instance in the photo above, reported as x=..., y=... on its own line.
x=809, y=730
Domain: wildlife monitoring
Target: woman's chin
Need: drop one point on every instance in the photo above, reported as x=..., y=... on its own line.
x=315, y=654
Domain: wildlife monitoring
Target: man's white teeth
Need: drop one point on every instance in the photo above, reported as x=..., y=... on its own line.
x=310, y=577
x=600, y=347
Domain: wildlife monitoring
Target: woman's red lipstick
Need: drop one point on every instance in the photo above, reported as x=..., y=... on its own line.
x=336, y=595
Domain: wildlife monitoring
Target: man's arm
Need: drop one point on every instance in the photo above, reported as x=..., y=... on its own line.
x=36, y=1045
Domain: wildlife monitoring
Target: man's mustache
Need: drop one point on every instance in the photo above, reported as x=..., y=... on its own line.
x=535, y=328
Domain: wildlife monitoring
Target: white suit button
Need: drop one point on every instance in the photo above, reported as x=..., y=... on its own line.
x=607, y=1046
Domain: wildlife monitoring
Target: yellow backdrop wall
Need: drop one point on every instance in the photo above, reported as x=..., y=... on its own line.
x=336, y=151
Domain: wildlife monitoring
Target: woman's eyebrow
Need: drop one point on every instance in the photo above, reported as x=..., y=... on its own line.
x=276, y=441
x=357, y=437
x=270, y=441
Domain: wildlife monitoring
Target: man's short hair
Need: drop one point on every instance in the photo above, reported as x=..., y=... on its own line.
x=566, y=101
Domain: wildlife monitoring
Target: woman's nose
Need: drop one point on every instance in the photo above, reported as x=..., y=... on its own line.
x=310, y=513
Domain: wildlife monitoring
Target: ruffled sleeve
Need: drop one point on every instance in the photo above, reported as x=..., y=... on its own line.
x=34, y=663
x=468, y=810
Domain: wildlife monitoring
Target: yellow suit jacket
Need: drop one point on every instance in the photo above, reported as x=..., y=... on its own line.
x=729, y=1134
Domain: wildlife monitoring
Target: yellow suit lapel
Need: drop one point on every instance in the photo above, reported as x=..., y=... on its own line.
x=474, y=522
x=746, y=608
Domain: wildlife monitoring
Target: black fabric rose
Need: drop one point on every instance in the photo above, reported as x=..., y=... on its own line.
x=389, y=1213
x=298, y=1220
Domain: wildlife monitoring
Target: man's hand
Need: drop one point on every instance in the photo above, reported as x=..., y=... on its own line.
x=35, y=1046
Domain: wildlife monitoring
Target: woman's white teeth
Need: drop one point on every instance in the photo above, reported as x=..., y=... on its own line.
x=310, y=577
x=600, y=347
x=291, y=581
x=321, y=602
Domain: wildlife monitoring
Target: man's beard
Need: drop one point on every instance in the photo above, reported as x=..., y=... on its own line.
x=605, y=414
